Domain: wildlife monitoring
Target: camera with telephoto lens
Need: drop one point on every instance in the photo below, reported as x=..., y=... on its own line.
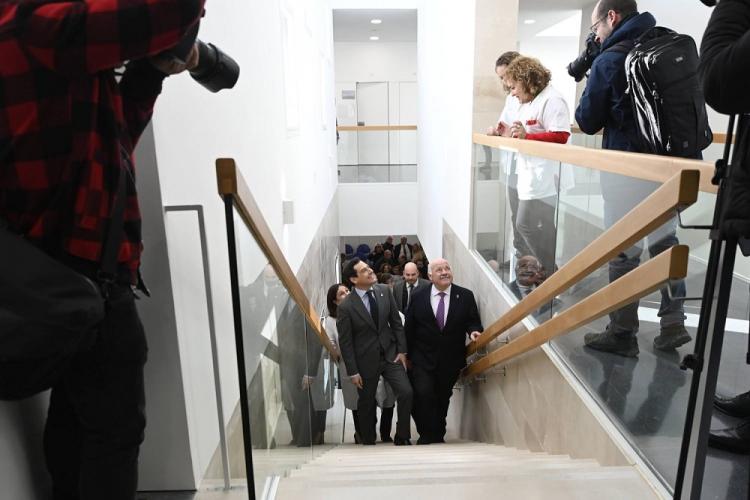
x=215, y=69
x=578, y=68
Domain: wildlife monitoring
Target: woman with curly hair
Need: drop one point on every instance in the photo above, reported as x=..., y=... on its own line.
x=542, y=116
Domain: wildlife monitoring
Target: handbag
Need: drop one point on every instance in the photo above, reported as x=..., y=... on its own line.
x=48, y=311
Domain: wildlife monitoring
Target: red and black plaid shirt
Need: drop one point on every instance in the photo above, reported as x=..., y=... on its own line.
x=65, y=120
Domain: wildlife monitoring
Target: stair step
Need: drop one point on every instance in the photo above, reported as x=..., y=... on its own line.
x=457, y=470
x=592, y=488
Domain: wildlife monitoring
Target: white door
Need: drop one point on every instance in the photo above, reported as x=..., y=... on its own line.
x=372, y=109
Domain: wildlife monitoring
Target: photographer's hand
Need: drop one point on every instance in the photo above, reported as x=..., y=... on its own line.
x=171, y=66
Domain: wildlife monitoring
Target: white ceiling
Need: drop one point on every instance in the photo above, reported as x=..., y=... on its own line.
x=547, y=13
x=354, y=25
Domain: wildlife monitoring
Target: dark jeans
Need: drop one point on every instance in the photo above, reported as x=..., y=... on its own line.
x=432, y=393
x=624, y=321
x=395, y=375
x=535, y=223
x=97, y=415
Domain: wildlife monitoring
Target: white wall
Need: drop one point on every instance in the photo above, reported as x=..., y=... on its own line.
x=22, y=471
x=375, y=62
x=279, y=125
x=375, y=4
x=375, y=208
x=555, y=53
x=446, y=76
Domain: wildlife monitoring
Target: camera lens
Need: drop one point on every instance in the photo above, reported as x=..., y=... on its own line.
x=215, y=70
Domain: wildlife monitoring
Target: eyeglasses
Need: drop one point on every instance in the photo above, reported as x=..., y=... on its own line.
x=593, y=27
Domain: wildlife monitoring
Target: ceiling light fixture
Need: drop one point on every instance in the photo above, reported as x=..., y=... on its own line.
x=374, y=38
x=376, y=21
x=529, y=21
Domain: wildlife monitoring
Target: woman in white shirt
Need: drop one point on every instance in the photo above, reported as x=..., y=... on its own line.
x=507, y=159
x=336, y=294
x=542, y=116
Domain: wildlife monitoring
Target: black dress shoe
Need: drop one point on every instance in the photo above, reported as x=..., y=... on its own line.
x=398, y=441
x=733, y=439
x=424, y=440
x=438, y=440
x=356, y=438
x=738, y=406
x=386, y=439
x=368, y=443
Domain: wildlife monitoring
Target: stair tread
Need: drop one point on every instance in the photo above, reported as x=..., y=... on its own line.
x=457, y=470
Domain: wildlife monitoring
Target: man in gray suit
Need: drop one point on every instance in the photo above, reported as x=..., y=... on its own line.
x=403, y=289
x=372, y=342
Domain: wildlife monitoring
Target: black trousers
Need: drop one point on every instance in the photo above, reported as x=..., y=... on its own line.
x=96, y=415
x=432, y=393
x=535, y=224
x=394, y=374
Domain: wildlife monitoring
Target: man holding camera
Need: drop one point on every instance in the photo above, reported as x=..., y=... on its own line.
x=68, y=128
x=605, y=105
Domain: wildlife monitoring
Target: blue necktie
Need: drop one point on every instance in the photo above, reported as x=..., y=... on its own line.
x=373, y=307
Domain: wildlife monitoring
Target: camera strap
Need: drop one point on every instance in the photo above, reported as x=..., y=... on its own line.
x=111, y=245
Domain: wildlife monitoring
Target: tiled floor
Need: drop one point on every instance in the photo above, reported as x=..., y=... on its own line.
x=238, y=493
x=648, y=396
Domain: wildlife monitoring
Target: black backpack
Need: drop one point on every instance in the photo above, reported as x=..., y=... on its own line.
x=668, y=104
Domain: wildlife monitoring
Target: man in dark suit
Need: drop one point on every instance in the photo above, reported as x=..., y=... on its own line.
x=404, y=289
x=404, y=249
x=437, y=323
x=388, y=243
x=529, y=275
x=372, y=342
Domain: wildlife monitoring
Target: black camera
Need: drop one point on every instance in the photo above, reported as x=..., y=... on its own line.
x=578, y=68
x=215, y=69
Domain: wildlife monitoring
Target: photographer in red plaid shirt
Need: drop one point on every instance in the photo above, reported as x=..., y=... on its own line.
x=67, y=132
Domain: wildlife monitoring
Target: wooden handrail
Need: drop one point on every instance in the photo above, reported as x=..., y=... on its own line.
x=677, y=193
x=641, y=166
x=232, y=183
x=719, y=137
x=646, y=278
x=374, y=128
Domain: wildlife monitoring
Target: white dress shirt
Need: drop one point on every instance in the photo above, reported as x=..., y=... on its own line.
x=410, y=291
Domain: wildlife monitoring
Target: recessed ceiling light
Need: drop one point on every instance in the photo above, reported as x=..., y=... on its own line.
x=529, y=21
x=374, y=38
x=376, y=21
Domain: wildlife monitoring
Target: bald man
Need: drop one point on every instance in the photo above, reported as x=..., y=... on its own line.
x=439, y=320
x=405, y=288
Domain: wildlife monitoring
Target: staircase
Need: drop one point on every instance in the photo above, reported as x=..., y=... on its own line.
x=457, y=470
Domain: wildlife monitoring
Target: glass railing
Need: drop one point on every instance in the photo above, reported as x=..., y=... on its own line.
x=377, y=154
x=289, y=412
x=525, y=230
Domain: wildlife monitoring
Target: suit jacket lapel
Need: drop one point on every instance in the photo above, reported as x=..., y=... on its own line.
x=383, y=305
x=453, y=306
x=427, y=301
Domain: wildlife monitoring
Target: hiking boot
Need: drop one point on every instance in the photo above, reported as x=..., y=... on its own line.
x=607, y=341
x=671, y=337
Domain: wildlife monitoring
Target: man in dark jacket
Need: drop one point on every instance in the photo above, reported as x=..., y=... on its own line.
x=437, y=324
x=725, y=79
x=605, y=105
x=68, y=128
